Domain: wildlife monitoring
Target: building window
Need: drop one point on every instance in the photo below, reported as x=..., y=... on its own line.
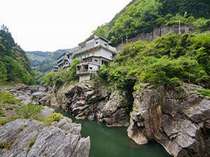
x=86, y=67
x=78, y=68
x=96, y=60
x=104, y=62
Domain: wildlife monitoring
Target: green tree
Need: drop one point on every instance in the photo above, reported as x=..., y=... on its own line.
x=14, y=65
x=169, y=61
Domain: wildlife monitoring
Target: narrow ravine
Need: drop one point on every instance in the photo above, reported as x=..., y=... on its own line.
x=114, y=142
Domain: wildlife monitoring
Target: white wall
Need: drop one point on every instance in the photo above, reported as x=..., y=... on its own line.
x=99, y=52
x=84, y=78
x=103, y=53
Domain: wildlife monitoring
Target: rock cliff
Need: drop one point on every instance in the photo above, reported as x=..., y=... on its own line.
x=88, y=100
x=177, y=119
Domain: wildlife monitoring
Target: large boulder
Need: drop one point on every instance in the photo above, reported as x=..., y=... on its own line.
x=30, y=138
x=176, y=118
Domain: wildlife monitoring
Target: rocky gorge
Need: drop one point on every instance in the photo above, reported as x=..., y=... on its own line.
x=178, y=118
x=87, y=100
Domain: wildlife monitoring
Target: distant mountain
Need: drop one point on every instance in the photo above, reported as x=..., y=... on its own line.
x=14, y=65
x=44, y=61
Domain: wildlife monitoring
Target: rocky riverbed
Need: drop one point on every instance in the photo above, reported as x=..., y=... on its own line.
x=178, y=119
x=30, y=94
x=30, y=138
x=35, y=136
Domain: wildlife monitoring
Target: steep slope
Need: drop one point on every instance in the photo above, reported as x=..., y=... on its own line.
x=43, y=61
x=168, y=77
x=169, y=61
x=141, y=16
x=14, y=65
x=171, y=79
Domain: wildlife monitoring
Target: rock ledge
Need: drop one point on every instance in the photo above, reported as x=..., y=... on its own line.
x=30, y=138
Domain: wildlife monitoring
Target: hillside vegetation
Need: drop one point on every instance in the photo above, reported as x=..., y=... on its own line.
x=169, y=60
x=144, y=15
x=14, y=65
x=56, y=79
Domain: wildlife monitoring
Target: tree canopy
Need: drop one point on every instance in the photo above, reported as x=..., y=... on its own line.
x=168, y=61
x=143, y=15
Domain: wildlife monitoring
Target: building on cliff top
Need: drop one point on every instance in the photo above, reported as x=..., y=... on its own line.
x=92, y=53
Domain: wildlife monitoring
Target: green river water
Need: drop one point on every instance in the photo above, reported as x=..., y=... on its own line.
x=114, y=142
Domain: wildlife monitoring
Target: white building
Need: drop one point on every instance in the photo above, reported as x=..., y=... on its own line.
x=92, y=53
x=64, y=60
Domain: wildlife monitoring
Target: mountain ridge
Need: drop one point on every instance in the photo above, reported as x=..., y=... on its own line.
x=43, y=61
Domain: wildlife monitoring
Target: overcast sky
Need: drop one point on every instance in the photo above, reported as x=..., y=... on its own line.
x=55, y=24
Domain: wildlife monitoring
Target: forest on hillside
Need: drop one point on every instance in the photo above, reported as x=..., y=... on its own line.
x=143, y=15
x=168, y=61
x=14, y=65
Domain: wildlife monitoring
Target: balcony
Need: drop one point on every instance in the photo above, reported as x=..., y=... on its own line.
x=84, y=69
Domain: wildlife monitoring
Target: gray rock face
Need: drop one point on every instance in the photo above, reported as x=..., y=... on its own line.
x=86, y=100
x=179, y=120
x=30, y=94
x=29, y=138
x=115, y=110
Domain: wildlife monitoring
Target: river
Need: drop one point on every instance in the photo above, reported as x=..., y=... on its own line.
x=114, y=142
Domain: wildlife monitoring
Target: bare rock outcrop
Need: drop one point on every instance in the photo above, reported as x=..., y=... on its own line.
x=88, y=100
x=177, y=119
x=30, y=138
x=30, y=94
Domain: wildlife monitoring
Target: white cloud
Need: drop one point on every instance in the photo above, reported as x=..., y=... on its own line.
x=54, y=24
